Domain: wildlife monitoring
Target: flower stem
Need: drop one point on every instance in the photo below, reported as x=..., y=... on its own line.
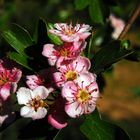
x=133, y=17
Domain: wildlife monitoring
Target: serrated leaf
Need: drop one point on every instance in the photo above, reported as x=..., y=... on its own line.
x=108, y=55
x=18, y=38
x=55, y=39
x=81, y=4
x=96, y=129
x=98, y=11
x=20, y=59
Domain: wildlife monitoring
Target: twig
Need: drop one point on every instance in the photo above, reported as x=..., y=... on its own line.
x=130, y=22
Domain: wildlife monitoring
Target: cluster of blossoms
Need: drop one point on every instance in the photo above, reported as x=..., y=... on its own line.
x=68, y=77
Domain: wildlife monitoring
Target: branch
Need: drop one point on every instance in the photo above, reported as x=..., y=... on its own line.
x=130, y=22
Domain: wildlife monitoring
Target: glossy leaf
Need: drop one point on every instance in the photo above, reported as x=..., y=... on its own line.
x=108, y=55
x=81, y=4
x=18, y=38
x=20, y=59
x=94, y=128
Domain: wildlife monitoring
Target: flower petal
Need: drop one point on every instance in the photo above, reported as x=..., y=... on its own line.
x=81, y=64
x=89, y=107
x=48, y=50
x=68, y=90
x=24, y=95
x=74, y=109
x=26, y=111
x=59, y=79
x=85, y=79
x=5, y=91
x=39, y=114
x=55, y=122
x=40, y=91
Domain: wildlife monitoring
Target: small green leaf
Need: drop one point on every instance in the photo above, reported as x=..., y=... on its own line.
x=108, y=55
x=18, y=38
x=55, y=39
x=81, y=4
x=98, y=11
x=20, y=59
x=94, y=128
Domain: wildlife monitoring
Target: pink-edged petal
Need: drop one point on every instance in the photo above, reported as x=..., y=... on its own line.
x=32, y=81
x=85, y=79
x=24, y=95
x=85, y=28
x=94, y=91
x=59, y=79
x=48, y=51
x=16, y=75
x=83, y=36
x=69, y=90
x=81, y=64
x=41, y=92
x=5, y=91
x=89, y=107
x=55, y=122
x=74, y=109
x=71, y=38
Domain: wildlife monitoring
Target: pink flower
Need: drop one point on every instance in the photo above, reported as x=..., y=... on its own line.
x=35, y=106
x=81, y=95
x=69, y=51
x=43, y=78
x=57, y=117
x=8, y=81
x=68, y=33
x=118, y=25
x=70, y=71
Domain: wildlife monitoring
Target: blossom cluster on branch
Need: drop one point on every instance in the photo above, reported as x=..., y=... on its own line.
x=67, y=89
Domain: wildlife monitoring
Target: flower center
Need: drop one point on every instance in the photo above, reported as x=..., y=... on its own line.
x=83, y=95
x=3, y=79
x=37, y=102
x=69, y=31
x=64, y=52
x=71, y=75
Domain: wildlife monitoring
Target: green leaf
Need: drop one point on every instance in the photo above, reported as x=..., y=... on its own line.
x=108, y=55
x=18, y=38
x=98, y=11
x=96, y=129
x=20, y=59
x=55, y=39
x=81, y=4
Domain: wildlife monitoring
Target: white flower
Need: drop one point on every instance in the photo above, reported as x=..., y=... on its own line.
x=34, y=107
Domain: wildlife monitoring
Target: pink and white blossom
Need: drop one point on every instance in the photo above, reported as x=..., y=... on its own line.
x=67, y=52
x=33, y=101
x=81, y=95
x=118, y=24
x=70, y=33
x=71, y=71
x=8, y=80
